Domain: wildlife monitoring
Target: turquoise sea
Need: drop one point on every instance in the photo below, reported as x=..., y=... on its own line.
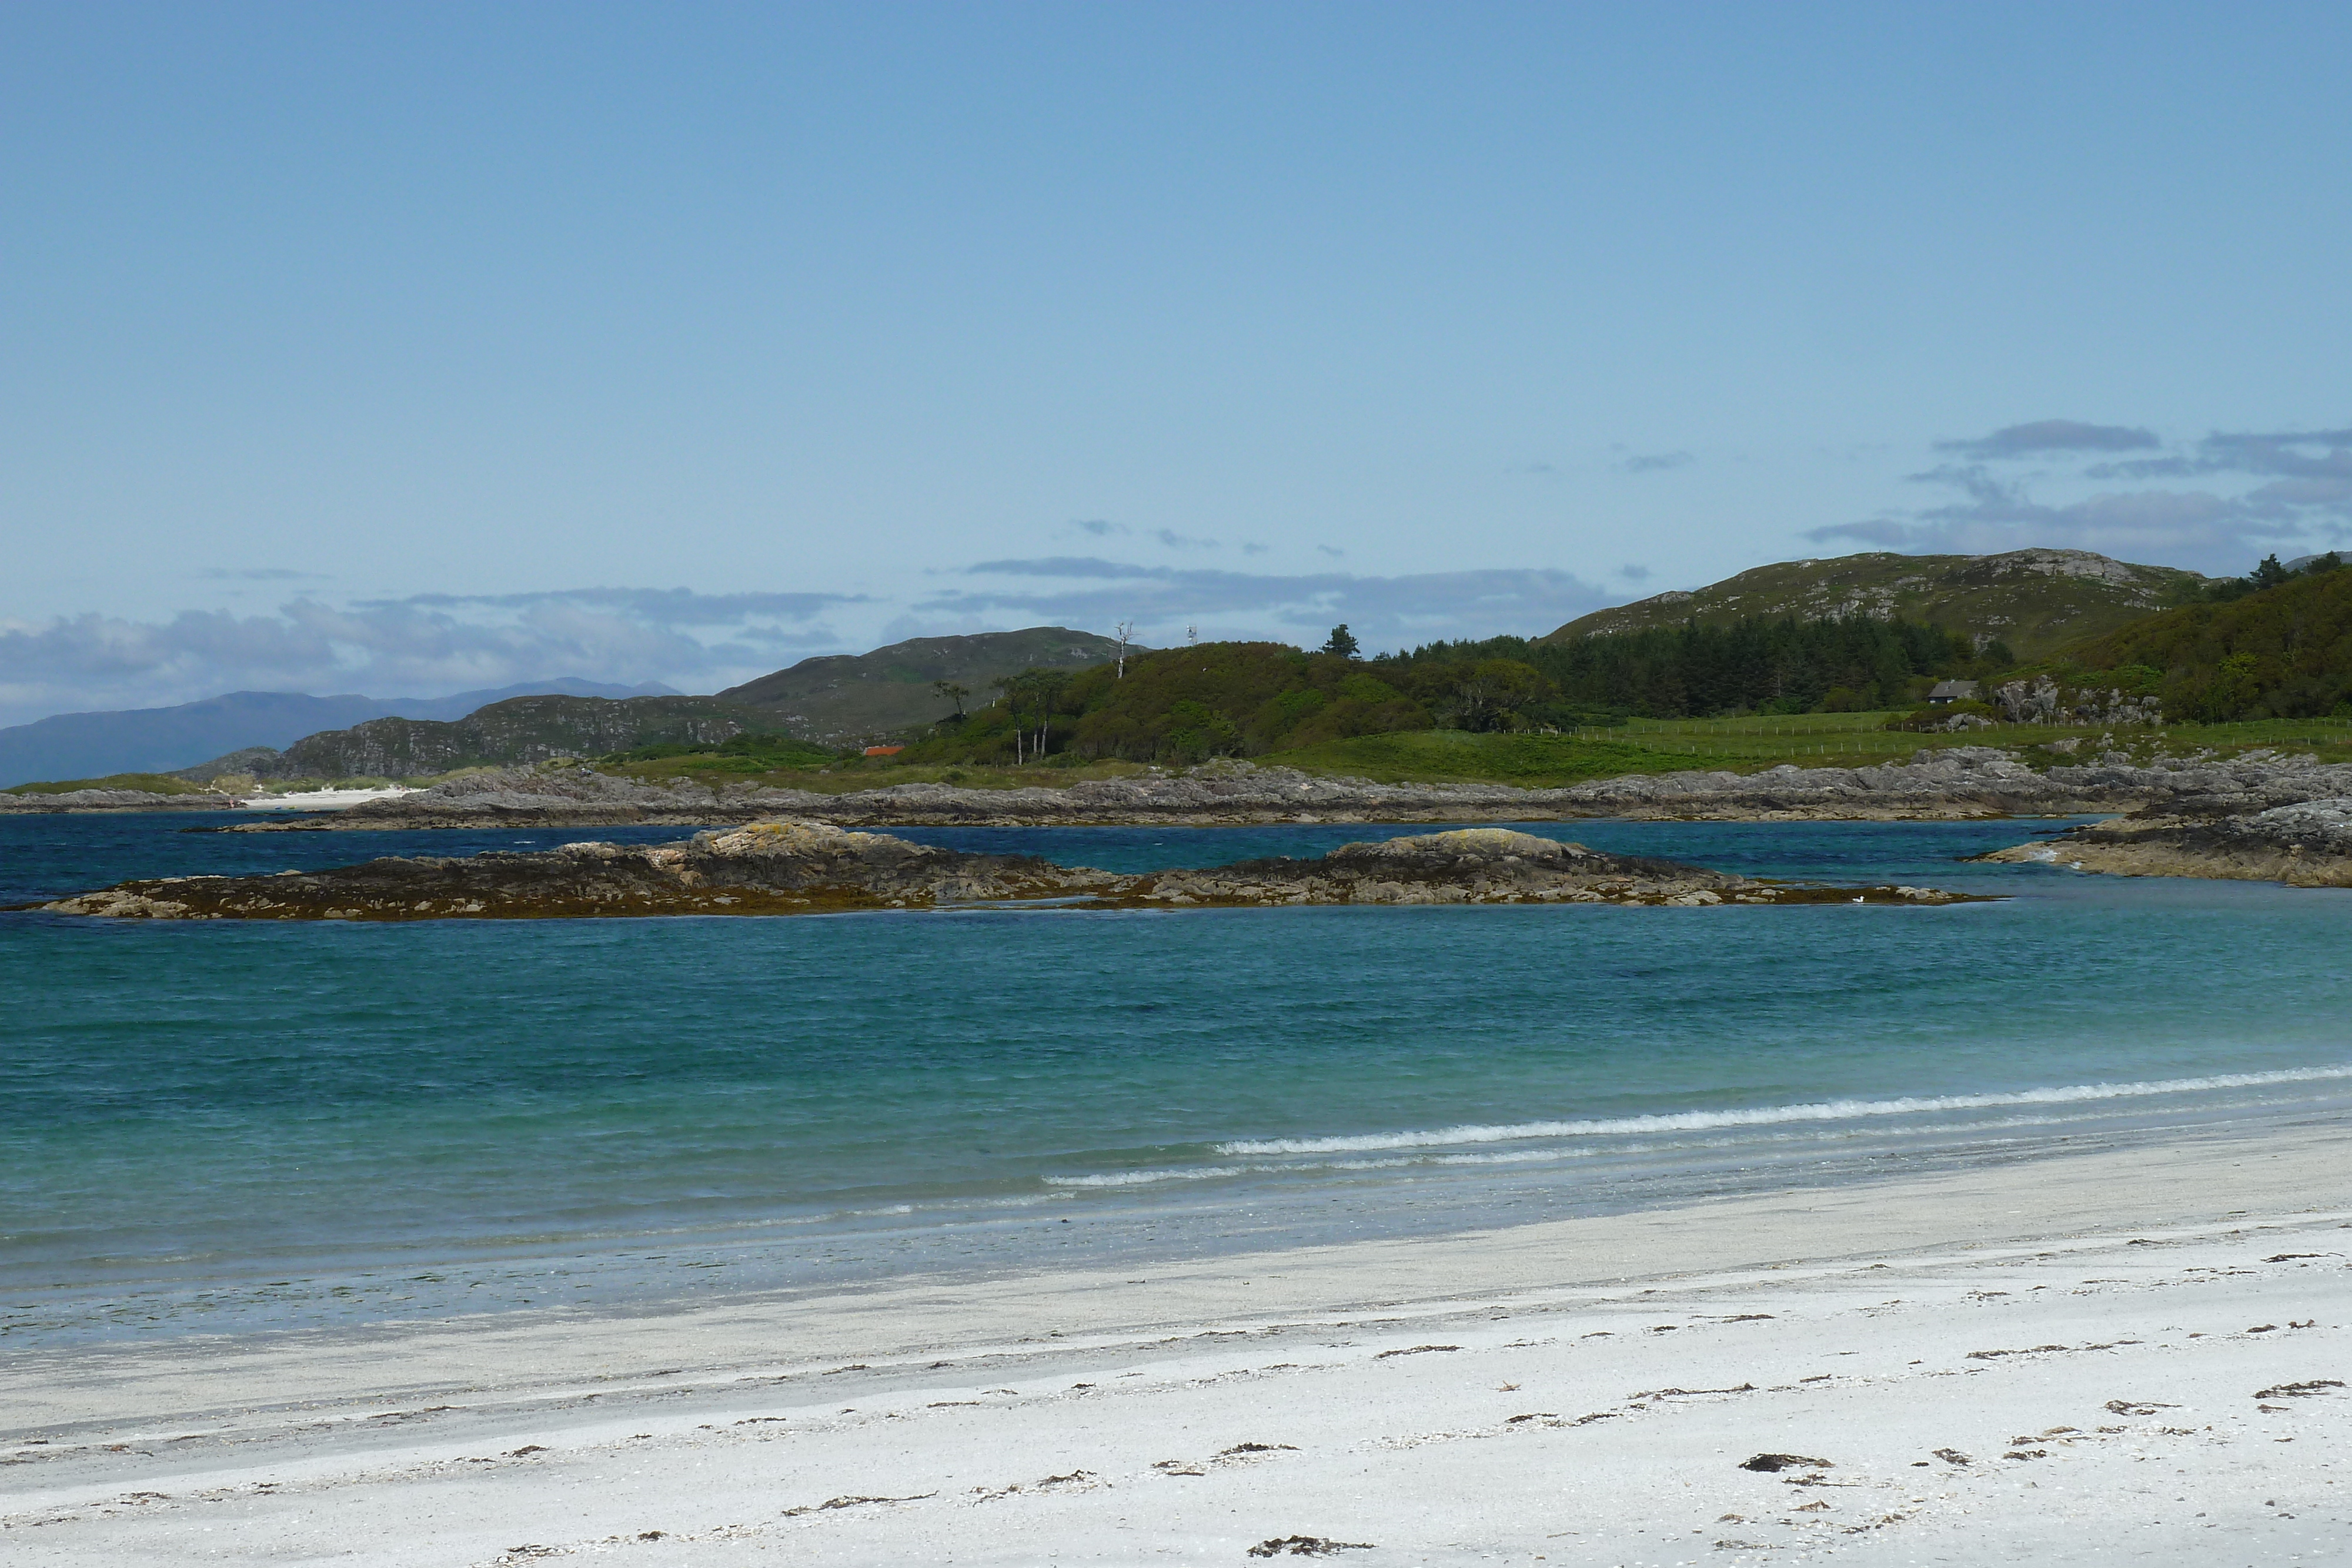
x=222, y=1126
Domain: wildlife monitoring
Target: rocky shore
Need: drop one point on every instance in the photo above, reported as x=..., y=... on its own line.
x=1953, y=783
x=73, y=801
x=1957, y=782
x=790, y=868
x=2307, y=844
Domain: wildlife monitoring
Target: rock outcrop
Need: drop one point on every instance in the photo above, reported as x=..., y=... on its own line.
x=2305, y=844
x=2043, y=701
x=791, y=868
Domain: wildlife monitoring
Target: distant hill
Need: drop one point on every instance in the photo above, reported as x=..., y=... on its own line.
x=161, y=739
x=843, y=697
x=521, y=729
x=833, y=700
x=2033, y=600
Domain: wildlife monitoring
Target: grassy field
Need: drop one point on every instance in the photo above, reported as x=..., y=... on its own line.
x=1748, y=744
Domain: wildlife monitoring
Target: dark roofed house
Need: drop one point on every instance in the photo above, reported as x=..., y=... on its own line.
x=1952, y=692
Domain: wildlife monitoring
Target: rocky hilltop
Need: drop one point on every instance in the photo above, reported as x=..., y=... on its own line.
x=793, y=868
x=2033, y=600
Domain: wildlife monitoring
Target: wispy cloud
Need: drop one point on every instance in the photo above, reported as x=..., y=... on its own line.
x=1103, y=529
x=2303, y=490
x=1656, y=462
x=2049, y=435
x=657, y=606
x=1087, y=591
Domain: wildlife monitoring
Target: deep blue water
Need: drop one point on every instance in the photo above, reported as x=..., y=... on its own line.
x=210, y=1124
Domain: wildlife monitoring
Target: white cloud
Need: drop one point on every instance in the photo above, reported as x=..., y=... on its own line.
x=2221, y=526
x=422, y=646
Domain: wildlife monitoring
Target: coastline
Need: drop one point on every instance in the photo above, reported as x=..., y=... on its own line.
x=1959, y=783
x=1955, y=784
x=1086, y=1415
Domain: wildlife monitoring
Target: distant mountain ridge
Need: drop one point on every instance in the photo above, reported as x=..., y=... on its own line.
x=833, y=700
x=2033, y=600
x=165, y=739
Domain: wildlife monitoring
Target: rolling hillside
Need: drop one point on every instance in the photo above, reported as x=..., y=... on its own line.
x=843, y=698
x=2033, y=600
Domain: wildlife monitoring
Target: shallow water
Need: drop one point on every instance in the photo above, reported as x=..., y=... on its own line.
x=220, y=1124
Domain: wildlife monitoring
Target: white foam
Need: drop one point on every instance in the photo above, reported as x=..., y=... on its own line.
x=1143, y=1178
x=1765, y=1115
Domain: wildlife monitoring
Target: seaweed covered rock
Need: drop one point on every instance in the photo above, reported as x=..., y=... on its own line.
x=2306, y=843
x=790, y=868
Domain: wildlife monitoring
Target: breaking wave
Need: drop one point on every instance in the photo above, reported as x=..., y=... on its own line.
x=1766, y=1115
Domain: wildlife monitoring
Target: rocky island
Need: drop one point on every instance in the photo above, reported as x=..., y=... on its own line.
x=799, y=868
x=2306, y=843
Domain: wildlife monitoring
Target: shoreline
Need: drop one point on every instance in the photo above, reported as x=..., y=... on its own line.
x=1957, y=783
x=1091, y=1415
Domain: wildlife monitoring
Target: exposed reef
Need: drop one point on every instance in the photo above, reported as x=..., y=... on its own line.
x=793, y=868
x=2304, y=844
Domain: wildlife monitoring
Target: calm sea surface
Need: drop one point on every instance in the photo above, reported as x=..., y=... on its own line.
x=215, y=1126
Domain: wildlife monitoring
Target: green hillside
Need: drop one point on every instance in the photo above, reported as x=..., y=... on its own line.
x=2282, y=651
x=842, y=698
x=2033, y=599
x=1246, y=699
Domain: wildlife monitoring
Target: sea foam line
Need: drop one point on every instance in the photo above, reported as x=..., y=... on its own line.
x=1768, y=1116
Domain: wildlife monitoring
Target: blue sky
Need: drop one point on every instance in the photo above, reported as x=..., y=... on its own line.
x=415, y=349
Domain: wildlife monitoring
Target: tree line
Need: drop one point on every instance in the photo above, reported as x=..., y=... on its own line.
x=2276, y=644
x=1217, y=699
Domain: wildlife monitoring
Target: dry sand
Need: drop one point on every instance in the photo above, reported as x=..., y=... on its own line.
x=319, y=800
x=2081, y=1359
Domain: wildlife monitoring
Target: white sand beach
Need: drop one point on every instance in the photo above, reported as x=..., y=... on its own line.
x=2118, y=1358
x=319, y=800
